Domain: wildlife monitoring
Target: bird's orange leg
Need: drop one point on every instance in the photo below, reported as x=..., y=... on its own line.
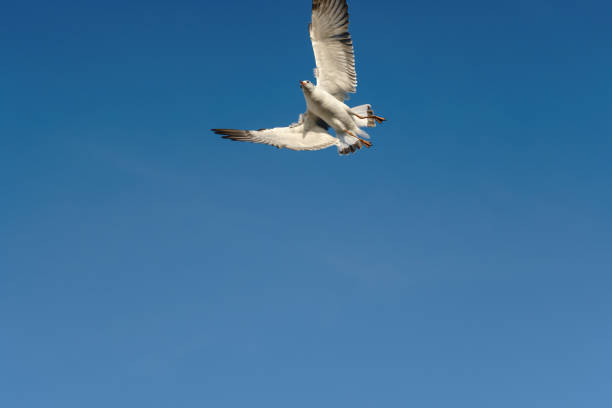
x=377, y=118
x=365, y=142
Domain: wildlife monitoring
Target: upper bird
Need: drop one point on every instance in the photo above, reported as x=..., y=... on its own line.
x=335, y=73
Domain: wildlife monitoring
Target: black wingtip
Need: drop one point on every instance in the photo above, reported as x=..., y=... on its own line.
x=234, y=134
x=226, y=132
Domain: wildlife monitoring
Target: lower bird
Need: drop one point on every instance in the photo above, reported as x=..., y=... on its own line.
x=336, y=77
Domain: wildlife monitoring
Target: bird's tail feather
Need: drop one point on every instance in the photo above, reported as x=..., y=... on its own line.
x=364, y=110
x=348, y=144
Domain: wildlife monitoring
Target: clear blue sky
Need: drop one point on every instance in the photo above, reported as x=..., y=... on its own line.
x=464, y=261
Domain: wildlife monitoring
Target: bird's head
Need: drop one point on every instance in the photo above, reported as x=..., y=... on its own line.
x=306, y=86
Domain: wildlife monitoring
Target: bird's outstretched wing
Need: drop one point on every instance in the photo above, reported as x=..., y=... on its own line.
x=307, y=134
x=333, y=47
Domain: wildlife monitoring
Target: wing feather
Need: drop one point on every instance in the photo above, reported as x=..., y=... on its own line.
x=333, y=47
x=307, y=134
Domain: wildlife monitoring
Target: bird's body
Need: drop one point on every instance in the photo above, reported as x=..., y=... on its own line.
x=335, y=72
x=336, y=114
x=331, y=110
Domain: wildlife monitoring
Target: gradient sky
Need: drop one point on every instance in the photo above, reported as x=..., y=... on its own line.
x=464, y=261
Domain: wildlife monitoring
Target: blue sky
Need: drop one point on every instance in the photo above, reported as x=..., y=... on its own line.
x=464, y=261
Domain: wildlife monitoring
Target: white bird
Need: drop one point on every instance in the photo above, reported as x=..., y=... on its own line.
x=335, y=73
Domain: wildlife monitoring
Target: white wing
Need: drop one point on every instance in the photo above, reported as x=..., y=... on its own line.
x=333, y=47
x=307, y=134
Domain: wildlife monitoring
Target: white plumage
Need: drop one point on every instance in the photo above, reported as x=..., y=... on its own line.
x=335, y=73
x=333, y=48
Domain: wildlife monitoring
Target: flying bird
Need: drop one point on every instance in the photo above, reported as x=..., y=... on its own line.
x=336, y=77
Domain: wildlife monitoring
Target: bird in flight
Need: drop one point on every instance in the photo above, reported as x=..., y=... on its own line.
x=336, y=77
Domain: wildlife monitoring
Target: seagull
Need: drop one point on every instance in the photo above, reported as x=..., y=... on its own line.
x=336, y=77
